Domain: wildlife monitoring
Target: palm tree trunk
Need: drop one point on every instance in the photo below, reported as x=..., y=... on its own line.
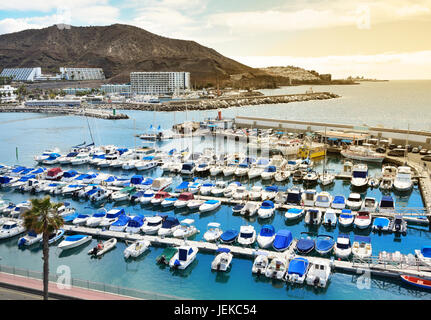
x=45, y=265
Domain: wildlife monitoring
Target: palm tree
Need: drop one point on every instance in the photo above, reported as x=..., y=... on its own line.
x=43, y=218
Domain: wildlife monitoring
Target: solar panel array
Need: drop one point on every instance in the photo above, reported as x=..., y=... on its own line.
x=19, y=74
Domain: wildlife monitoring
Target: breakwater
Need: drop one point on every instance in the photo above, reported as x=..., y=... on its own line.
x=87, y=112
x=220, y=103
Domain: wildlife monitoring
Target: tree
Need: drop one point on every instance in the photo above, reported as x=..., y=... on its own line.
x=43, y=218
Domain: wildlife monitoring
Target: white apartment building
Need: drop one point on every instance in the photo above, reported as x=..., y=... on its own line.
x=156, y=83
x=7, y=94
x=116, y=89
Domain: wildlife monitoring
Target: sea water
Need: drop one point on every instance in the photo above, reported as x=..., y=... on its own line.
x=25, y=135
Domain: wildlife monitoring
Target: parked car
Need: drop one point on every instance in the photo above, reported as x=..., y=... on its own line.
x=423, y=151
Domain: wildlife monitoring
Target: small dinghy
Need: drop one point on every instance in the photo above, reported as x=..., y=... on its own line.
x=229, y=236
x=103, y=247
x=74, y=241
x=260, y=263
x=324, y=244
x=222, y=260
x=305, y=243
x=343, y=247
x=381, y=224
x=417, y=282
x=266, y=236
x=213, y=232
x=297, y=271
x=294, y=213
x=136, y=248
x=282, y=241
x=29, y=239
x=250, y=209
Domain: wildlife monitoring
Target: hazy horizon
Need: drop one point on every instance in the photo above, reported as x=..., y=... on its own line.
x=383, y=40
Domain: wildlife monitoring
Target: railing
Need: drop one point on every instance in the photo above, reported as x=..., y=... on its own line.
x=380, y=262
x=91, y=285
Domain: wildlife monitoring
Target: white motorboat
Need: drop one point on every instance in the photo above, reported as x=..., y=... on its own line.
x=330, y=218
x=363, y=220
x=369, y=204
x=247, y=235
x=387, y=183
x=11, y=228
x=362, y=248
x=213, y=232
x=81, y=158
x=136, y=248
x=74, y=241
x=186, y=230
x=219, y=188
x=346, y=218
x=168, y=227
x=255, y=172
x=294, y=213
x=310, y=178
x=145, y=165
x=230, y=169
x=403, y=180
x=103, y=247
x=249, y=209
x=240, y=193
x=266, y=236
x=95, y=219
x=354, y=201
x=266, y=210
x=359, y=176
x=424, y=255
x=269, y=173
x=148, y=196
x=326, y=178
x=188, y=168
x=313, y=217
x=281, y=176
x=55, y=236
x=206, y=188
x=343, y=247
x=260, y=264
x=111, y=217
x=168, y=202
x=209, y=205
x=161, y=183
x=29, y=239
x=195, y=204
x=121, y=223
x=152, y=224
x=230, y=189
x=339, y=202
x=323, y=200
x=362, y=153
x=387, y=204
x=309, y=197
x=183, y=200
x=222, y=260
x=216, y=170
x=276, y=268
x=269, y=193
x=100, y=194
x=184, y=257
x=255, y=193
x=319, y=273
x=134, y=225
x=81, y=219
x=297, y=271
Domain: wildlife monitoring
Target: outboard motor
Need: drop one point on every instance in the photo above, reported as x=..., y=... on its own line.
x=316, y=281
x=21, y=242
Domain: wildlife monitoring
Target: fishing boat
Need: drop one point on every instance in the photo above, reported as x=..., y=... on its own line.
x=330, y=218
x=323, y=200
x=313, y=217
x=305, y=243
x=387, y=204
x=29, y=239
x=169, y=225
x=186, y=229
x=346, y=218
x=417, y=282
x=134, y=225
x=294, y=213
x=222, y=260
x=343, y=247
x=103, y=247
x=247, y=235
x=354, y=201
x=369, y=204
x=403, y=180
x=229, y=236
x=362, y=220
x=276, y=268
x=111, y=217
x=282, y=241
x=339, y=202
x=209, y=205
x=309, y=197
x=362, y=153
x=266, y=210
x=152, y=224
x=121, y=223
x=136, y=248
x=381, y=224
x=249, y=209
x=213, y=232
x=319, y=273
x=183, y=257
x=362, y=248
x=424, y=255
x=266, y=236
x=74, y=241
x=324, y=244
x=297, y=271
x=260, y=263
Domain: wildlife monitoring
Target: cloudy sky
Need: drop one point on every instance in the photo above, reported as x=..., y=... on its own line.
x=387, y=39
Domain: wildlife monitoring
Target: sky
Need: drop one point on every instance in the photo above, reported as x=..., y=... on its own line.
x=389, y=39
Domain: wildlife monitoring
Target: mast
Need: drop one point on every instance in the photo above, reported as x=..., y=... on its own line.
x=89, y=128
x=324, y=161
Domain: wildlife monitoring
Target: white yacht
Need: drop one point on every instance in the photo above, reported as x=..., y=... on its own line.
x=403, y=180
x=184, y=257
x=354, y=201
x=247, y=235
x=359, y=175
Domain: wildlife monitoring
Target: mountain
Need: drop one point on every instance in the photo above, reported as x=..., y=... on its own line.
x=121, y=49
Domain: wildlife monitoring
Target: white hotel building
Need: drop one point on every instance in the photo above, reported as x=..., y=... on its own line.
x=156, y=83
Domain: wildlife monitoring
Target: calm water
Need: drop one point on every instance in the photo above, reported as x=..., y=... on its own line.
x=33, y=133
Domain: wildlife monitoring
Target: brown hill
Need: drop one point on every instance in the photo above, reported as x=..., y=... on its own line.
x=121, y=49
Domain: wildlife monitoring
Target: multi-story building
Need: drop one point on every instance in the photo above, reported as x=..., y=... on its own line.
x=7, y=94
x=116, y=89
x=82, y=73
x=156, y=83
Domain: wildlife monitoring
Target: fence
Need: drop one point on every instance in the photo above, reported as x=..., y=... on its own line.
x=91, y=285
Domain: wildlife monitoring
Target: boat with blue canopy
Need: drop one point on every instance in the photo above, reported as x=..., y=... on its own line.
x=305, y=243
x=324, y=244
x=229, y=236
x=282, y=241
x=294, y=213
x=120, y=224
x=266, y=236
x=424, y=255
x=381, y=224
x=297, y=270
x=74, y=241
x=339, y=202
x=266, y=210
